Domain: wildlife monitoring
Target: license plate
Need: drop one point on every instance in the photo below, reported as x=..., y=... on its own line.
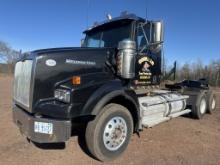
x=41, y=127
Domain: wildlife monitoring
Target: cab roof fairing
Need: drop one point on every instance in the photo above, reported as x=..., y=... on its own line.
x=128, y=18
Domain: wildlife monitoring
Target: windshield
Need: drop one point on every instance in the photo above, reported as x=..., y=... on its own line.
x=108, y=37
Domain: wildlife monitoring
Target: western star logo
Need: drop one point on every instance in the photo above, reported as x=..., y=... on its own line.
x=69, y=61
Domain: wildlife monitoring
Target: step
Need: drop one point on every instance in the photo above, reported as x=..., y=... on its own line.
x=180, y=113
x=151, y=123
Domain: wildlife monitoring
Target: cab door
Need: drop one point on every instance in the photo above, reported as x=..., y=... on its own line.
x=148, y=63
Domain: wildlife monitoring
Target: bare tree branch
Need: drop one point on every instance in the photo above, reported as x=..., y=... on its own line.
x=8, y=53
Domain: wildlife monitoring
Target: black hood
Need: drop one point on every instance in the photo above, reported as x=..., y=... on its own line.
x=55, y=67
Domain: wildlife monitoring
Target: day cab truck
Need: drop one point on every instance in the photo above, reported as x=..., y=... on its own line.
x=111, y=83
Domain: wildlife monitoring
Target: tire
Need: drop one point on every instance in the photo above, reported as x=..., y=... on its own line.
x=113, y=121
x=211, y=101
x=200, y=107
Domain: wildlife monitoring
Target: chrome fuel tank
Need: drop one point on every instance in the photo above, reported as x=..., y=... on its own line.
x=161, y=106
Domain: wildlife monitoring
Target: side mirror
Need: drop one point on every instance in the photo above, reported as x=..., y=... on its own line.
x=157, y=32
x=82, y=42
x=156, y=36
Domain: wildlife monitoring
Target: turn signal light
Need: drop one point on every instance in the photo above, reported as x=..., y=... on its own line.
x=76, y=80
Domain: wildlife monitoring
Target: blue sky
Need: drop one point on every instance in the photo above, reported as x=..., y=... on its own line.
x=191, y=26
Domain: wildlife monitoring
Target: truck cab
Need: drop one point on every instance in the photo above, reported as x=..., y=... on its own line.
x=146, y=35
x=110, y=83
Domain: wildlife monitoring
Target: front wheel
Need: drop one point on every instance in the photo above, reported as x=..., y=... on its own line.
x=109, y=134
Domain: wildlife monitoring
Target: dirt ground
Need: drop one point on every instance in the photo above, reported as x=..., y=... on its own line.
x=179, y=141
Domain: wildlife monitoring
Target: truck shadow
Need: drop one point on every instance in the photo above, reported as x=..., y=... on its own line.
x=78, y=130
x=50, y=146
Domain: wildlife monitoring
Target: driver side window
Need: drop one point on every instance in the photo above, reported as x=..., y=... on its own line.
x=141, y=41
x=142, y=36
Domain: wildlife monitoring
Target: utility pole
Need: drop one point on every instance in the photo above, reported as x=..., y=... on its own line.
x=174, y=71
x=217, y=79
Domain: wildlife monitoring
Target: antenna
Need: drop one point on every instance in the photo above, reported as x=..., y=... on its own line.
x=87, y=14
x=146, y=9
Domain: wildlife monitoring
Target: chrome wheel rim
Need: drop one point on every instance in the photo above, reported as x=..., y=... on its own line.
x=213, y=103
x=203, y=106
x=115, y=133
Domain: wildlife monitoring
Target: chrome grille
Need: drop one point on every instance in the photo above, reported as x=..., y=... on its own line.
x=22, y=82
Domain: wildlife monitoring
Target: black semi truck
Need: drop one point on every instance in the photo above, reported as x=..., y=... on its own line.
x=111, y=83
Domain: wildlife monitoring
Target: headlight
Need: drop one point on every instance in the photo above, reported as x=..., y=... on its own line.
x=62, y=95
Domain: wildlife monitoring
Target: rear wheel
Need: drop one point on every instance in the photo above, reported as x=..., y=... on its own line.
x=200, y=107
x=211, y=100
x=109, y=134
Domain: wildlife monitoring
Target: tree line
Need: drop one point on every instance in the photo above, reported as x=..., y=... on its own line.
x=9, y=56
x=197, y=70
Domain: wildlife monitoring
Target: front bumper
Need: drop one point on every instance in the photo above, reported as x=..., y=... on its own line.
x=25, y=122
